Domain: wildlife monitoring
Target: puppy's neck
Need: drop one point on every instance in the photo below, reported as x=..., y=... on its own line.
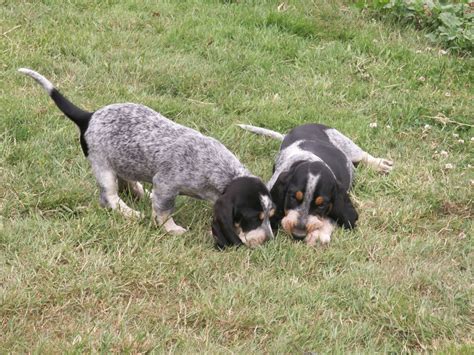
x=243, y=182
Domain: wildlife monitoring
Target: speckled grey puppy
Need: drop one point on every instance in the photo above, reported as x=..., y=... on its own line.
x=127, y=143
x=177, y=159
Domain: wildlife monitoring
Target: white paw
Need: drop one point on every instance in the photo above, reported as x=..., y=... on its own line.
x=176, y=230
x=324, y=238
x=311, y=238
x=384, y=166
x=131, y=214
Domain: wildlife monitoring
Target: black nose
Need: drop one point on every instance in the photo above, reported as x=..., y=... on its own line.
x=298, y=233
x=298, y=237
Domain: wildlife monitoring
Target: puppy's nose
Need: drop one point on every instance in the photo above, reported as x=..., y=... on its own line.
x=299, y=232
x=298, y=237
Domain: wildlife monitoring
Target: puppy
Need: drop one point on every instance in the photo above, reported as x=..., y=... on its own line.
x=129, y=143
x=312, y=176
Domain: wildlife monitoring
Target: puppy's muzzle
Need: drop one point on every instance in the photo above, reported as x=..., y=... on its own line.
x=257, y=236
x=299, y=227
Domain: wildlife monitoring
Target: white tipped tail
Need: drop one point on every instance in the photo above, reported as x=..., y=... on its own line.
x=45, y=83
x=262, y=131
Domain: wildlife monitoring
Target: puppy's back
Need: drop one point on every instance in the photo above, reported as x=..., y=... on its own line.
x=137, y=142
x=306, y=132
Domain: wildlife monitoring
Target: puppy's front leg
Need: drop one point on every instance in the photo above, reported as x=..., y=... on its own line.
x=322, y=232
x=163, y=206
x=164, y=219
x=326, y=231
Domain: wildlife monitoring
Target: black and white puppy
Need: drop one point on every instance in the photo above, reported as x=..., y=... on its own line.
x=129, y=143
x=312, y=176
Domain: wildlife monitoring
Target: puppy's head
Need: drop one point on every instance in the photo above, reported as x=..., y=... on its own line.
x=306, y=194
x=242, y=214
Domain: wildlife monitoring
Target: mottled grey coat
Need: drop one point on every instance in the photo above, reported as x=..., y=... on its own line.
x=139, y=144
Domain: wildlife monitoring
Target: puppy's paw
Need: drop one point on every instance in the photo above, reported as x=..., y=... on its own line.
x=312, y=238
x=314, y=223
x=170, y=226
x=321, y=234
x=289, y=221
x=384, y=166
x=176, y=230
x=324, y=238
x=130, y=213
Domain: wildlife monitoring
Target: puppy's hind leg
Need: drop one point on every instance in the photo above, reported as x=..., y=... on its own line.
x=381, y=165
x=133, y=187
x=355, y=154
x=163, y=198
x=108, y=184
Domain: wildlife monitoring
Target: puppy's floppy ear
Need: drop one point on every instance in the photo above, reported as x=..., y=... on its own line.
x=223, y=229
x=278, y=194
x=343, y=211
x=280, y=188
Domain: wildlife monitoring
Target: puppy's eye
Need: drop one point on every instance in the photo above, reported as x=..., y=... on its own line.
x=271, y=213
x=319, y=200
x=299, y=196
x=261, y=216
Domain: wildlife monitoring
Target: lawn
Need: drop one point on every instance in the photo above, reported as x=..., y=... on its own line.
x=76, y=277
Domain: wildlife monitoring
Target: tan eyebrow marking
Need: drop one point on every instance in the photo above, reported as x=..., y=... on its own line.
x=299, y=196
x=261, y=215
x=319, y=200
x=271, y=213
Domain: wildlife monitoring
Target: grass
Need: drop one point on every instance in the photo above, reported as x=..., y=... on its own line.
x=447, y=23
x=75, y=277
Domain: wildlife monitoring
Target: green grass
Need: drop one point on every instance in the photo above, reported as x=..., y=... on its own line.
x=75, y=277
x=447, y=23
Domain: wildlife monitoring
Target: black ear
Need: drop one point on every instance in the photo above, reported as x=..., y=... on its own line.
x=343, y=211
x=278, y=194
x=223, y=229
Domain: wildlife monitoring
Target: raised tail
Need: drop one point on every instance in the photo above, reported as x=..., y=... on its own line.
x=262, y=131
x=80, y=117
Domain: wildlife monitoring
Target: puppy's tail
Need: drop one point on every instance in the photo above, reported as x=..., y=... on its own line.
x=80, y=117
x=262, y=131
